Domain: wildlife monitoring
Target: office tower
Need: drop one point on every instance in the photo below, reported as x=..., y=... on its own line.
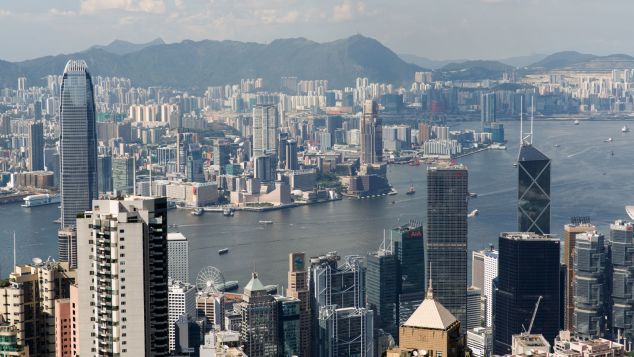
x=298, y=288
x=622, y=246
x=382, y=283
x=104, y=173
x=289, y=326
x=123, y=175
x=334, y=286
x=181, y=301
x=129, y=237
x=264, y=169
x=371, y=134
x=477, y=269
x=409, y=247
x=291, y=155
x=570, y=233
x=528, y=267
x=209, y=305
x=591, y=298
x=259, y=317
x=474, y=315
x=282, y=149
x=333, y=122
x=222, y=151
x=188, y=335
x=487, y=109
x=67, y=246
x=447, y=192
x=490, y=274
x=480, y=341
x=178, y=257
x=194, y=164
x=36, y=146
x=29, y=302
x=533, y=195
x=183, y=139
x=265, y=125
x=345, y=332
x=78, y=142
x=432, y=328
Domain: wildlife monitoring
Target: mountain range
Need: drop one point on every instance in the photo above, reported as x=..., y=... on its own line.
x=199, y=64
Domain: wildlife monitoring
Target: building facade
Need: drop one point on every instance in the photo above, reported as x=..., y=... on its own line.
x=622, y=256
x=371, y=134
x=265, y=126
x=409, y=247
x=570, y=233
x=178, y=257
x=298, y=288
x=533, y=194
x=382, y=284
x=181, y=302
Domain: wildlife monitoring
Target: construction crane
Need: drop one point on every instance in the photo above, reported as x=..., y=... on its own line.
x=530, y=327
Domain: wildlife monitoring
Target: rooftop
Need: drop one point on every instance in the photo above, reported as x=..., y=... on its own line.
x=530, y=153
x=176, y=236
x=527, y=236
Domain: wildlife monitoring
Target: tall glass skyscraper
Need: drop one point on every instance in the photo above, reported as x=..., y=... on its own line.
x=528, y=267
x=409, y=247
x=371, y=134
x=447, y=193
x=533, y=195
x=382, y=284
x=78, y=142
x=622, y=255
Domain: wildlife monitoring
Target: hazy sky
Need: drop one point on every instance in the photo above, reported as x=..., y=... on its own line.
x=438, y=29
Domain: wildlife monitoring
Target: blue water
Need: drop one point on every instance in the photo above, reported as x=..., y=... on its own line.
x=586, y=181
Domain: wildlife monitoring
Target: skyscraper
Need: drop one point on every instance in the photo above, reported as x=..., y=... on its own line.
x=622, y=255
x=265, y=125
x=382, y=283
x=298, y=288
x=177, y=257
x=571, y=231
x=409, y=247
x=528, y=268
x=123, y=244
x=259, y=317
x=474, y=315
x=371, y=134
x=487, y=109
x=78, y=142
x=104, y=171
x=533, y=195
x=36, y=146
x=592, y=303
x=345, y=332
x=181, y=302
x=123, y=175
x=291, y=155
x=447, y=193
x=288, y=326
x=490, y=274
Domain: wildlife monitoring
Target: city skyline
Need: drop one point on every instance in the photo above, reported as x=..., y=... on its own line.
x=452, y=30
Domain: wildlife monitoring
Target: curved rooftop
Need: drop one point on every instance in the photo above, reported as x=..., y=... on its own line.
x=76, y=66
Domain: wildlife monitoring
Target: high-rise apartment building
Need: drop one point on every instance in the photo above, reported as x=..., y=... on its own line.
x=490, y=273
x=487, y=109
x=477, y=269
x=382, y=284
x=123, y=284
x=570, y=233
x=528, y=266
x=291, y=155
x=265, y=126
x=591, y=298
x=104, y=173
x=533, y=194
x=409, y=248
x=67, y=246
x=36, y=146
x=181, y=302
x=298, y=288
x=622, y=256
x=371, y=134
x=78, y=142
x=178, y=257
x=474, y=313
x=447, y=193
x=123, y=175
x=259, y=318
x=28, y=302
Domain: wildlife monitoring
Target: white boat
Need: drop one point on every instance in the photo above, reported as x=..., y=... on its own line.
x=608, y=140
x=223, y=251
x=265, y=222
x=198, y=212
x=625, y=129
x=227, y=212
x=556, y=145
x=40, y=200
x=473, y=213
x=576, y=122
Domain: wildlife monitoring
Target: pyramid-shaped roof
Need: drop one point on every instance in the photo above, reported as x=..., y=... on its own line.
x=254, y=284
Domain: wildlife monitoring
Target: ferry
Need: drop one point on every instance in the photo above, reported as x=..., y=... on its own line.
x=473, y=194
x=172, y=225
x=228, y=286
x=576, y=122
x=411, y=190
x=198, y=212
x=223, y=251
x=271, y=289
x=265, y=222
x=473, y=213
x=625, y=129
x=608, y=140
x=40, y=200
x=227, y=212
x=556, y=145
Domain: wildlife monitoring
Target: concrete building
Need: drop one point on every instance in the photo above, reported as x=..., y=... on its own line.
x=298, y=288
x=122, y=247
x=480, y=341
x=177, y=257
x=474, y=313
x=67, y=246
x=123, y=175
x=567, y=346
x=36, y=146
x=265, y=126
x=181, y=302
x=529, y=344
x=66, y=331
x=259, y=329
x=570, y=233
x=9, y=345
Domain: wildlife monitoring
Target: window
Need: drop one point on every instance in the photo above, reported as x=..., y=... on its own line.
x=438, y=354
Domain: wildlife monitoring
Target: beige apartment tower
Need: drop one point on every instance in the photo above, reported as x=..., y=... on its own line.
x=570, y=234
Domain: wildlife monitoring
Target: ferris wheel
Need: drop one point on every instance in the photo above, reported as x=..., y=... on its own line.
x=209, y=280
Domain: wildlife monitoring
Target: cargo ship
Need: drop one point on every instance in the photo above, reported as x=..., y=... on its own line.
x=40, y=200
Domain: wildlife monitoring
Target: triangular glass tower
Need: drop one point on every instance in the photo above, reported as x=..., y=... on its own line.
x=533, y=195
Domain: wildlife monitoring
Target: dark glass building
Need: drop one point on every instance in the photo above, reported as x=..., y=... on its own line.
x=533, y=195
x=447, y=193
x=409, y=247
x=78, y=142
x=622, y=256
x=528, y=267
x=382, y=284
x=288, y=326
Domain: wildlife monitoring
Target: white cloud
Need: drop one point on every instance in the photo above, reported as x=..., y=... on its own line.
x=149, y=6
x=348, y=10
x=4, y=13
x=57, y=12
x=269, y=16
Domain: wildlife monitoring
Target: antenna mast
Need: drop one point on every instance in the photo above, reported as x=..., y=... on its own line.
x=532, y=112
x=522, y=121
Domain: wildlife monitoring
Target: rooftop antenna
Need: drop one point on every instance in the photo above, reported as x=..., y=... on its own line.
x=430, y=290
x=532, y=112
x=522, y=121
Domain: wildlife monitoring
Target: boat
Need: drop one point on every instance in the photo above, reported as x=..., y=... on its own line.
x=608, y=140
x=473, y=194
x=473, y=213
x=576, y=122
x=227, y=212
x=40, y=200
x=223, y=251
x=556, y=145
x=625, y=129
x=265, y=222
x=411, y=190
x=172, y=225
x=612, y=153
x=227, y=286
x=271, y=289
x=198, y=212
